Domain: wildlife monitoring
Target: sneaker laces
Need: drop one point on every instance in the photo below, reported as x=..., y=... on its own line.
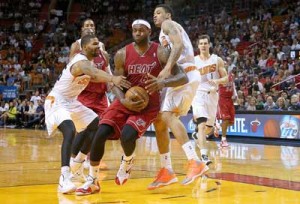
x=123, y=167
x=89, y=180
x=191, y=166
x=160, y=173
x=204, y=157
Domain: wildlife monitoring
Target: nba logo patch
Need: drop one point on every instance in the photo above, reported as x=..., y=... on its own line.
x=141, y=122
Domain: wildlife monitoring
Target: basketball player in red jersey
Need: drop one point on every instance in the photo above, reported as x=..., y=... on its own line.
x=93, y=97
x=138, y=61
x=226, y=111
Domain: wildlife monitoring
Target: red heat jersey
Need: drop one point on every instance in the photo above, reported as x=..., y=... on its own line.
x=138, y=66
x=100, y=63
x=227, y=90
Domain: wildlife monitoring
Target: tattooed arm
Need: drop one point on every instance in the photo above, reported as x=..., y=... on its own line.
x=172, y=29
x=177, y=77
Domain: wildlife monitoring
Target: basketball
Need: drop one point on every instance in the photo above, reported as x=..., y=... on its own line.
x=272, y=129
x=139, y=93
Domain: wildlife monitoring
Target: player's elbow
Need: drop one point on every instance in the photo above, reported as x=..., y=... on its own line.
x=183, y=79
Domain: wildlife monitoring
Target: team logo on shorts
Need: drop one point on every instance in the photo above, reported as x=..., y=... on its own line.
x=141, y=122
x=191, y=125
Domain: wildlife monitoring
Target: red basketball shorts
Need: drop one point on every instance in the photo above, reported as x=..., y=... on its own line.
x=226, y=110
x=116, y=115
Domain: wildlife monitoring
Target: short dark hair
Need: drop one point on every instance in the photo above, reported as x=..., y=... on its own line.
x=87, y=19
x=86, y=39
x=167, y=8
x=204, y=37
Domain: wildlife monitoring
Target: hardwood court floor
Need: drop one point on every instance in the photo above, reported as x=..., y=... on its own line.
x=242, y=174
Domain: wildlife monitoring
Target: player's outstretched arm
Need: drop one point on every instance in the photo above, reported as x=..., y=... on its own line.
x=87, y=67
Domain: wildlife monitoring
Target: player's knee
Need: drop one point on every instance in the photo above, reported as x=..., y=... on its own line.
x=128, y=135
x=160, y=125
x=167, y=117
x=103, y=133
x=93, y=126
x=68, y=130
x=201, y=120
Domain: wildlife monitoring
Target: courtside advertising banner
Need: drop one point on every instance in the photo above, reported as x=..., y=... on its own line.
x=256, y=125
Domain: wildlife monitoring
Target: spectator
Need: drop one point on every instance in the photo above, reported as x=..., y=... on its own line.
x=280, y=104
x=293, y=89
x=252, y=104
x=38, y=116
x=269, y=104
x=295, y=105
x=257, y=85
x=35, y=98
x=268, y=84
x=240, y=104
x=10, y=115
x=259, y=102
x=29, y=115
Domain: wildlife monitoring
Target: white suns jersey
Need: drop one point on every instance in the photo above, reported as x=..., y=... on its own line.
x=208, y=70
x=186, y=58
x=68, y=86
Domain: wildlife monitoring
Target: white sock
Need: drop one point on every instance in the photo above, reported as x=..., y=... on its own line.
x=127, y=158
x=203, y=151
x=74, y=165
x=223, y=138
x=80, y=157
x=93, y=172
x=65, y=170
x=189, y=150
x=165, y=161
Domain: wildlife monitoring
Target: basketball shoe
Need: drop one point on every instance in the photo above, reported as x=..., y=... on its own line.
x=65, y=184
x=124, y=171
x=164, y=177
x=86, y=164
x=89, y=187
x=195, y=169
x=205, y=159
x=224, y=144
x=77, y=171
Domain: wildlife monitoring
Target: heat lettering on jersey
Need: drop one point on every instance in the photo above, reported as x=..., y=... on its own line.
x=208, y=69
x=141, y=68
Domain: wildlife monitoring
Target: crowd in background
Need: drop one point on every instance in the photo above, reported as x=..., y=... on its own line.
x=256, y=48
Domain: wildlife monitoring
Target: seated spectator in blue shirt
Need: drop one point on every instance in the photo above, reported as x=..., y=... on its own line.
x=295, y=105
x=294, y=89
x=269, y=104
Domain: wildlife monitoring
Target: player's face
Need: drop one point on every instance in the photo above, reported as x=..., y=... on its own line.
x=203, y=46
x=87, y=31
x=88, y=24
x=140, y=33
x=92, y=48
x=159, y=16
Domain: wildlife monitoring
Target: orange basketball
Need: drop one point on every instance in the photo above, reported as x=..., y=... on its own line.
x=272, y=129
x=139, y=93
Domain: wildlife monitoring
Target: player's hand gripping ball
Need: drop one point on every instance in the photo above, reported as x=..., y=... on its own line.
x=137, y=93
